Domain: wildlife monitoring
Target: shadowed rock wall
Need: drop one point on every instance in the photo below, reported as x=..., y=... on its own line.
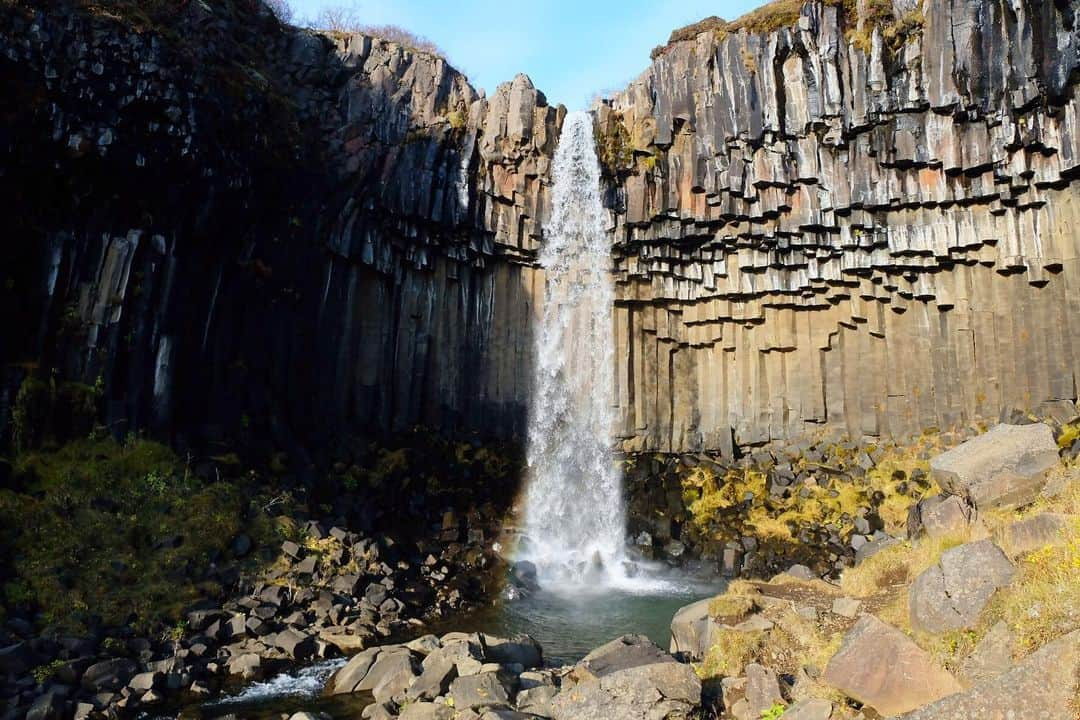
x=883, y=241
x=241, y=227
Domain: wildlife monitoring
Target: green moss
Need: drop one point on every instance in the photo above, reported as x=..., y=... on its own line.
x=85, y=539
x=613, y=147
x=49, y=413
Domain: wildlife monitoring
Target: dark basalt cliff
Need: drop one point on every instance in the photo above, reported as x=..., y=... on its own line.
x=235, y=226
x=249, y=229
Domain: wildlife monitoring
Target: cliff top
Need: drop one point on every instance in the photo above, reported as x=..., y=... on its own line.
x=781, y=14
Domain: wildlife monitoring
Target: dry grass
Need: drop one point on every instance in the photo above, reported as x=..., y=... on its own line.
x=738, y=600
x=895, y=566
x=730, y=653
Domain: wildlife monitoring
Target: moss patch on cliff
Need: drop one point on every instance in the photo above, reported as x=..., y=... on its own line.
x=118, y=533
x=781, y=14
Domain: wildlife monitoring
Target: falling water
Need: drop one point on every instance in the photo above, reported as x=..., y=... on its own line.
x=574, y=522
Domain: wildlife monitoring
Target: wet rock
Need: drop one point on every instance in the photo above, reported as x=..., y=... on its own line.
x=520, y=649
x=349, y=677
x=881, y=667
x=1005, y=467
x=952, y=594
x=523, y=575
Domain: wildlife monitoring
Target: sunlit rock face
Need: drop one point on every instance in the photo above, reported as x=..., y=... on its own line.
x=269, y=232
x=883, y=241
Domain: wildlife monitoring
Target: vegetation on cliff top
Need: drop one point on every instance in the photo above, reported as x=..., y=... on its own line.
x=781, y=14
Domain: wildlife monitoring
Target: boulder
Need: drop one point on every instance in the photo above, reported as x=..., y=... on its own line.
x=882, y=667
x=1044, y=686
x=809, y=709
x=294, y=643
x=520, y=649
x=427, y=711
x=1032, y=533
x=108, y=674
x=628, y=679
x=480, y=691
x=523, y=575
x=393, y=672
x=846, y=607
x=762, y=690
x=1005, y=467
x=349, y=677
x=952, y=594
x=692, y=630
x=17, y=659
x=940, y=516
x=49, y=706
x=434, y=680
x=992, y=655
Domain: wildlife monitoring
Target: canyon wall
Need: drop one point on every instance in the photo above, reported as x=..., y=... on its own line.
x=228, y=226
x=869, y=228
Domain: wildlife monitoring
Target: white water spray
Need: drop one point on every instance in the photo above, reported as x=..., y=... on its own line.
x=574, y=519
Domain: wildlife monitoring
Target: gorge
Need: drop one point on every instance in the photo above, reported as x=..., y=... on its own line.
x=306, y=341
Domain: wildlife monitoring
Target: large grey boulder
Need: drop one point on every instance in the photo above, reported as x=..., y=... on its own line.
x=628, y=679
x=1043, y=686
x=991, y=657
x=349, y=677
x=692, y=630
x=520, y=649
x=434, y=680
x=393, y=672
x=882, y=667
x=427, y=711
x=481, y=691
x=1005, y=467
x=952, y=594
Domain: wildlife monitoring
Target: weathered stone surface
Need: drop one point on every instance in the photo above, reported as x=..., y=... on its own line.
x=483, y=690
x=762, y=689
x=991, y=657
x=881, y=667
x=520, y=649
x=811, y=709
x=628, y=679
x=108, y=674
x=1043, y=686
x=1033, y=533
x=952, y=594
x=392, y=673
x=940, y=516
x=692, y=629
x=426, y=711
x=1004, y=467
x=349, y=677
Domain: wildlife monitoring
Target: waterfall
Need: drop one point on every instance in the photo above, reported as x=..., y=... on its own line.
x=574, y=516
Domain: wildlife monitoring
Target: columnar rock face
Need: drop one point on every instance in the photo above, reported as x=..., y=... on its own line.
x=811, y=231
x=248, y=228
x=257, y=227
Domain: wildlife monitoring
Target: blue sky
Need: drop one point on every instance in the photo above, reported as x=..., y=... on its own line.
x=571, y=49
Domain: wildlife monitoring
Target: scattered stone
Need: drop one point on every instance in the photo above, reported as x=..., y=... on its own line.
x=882, y=667
x=1005, y=467
x=940, y=516
x=846, y=607
x=952, y=594
x=629, y=679
x=108, y=674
